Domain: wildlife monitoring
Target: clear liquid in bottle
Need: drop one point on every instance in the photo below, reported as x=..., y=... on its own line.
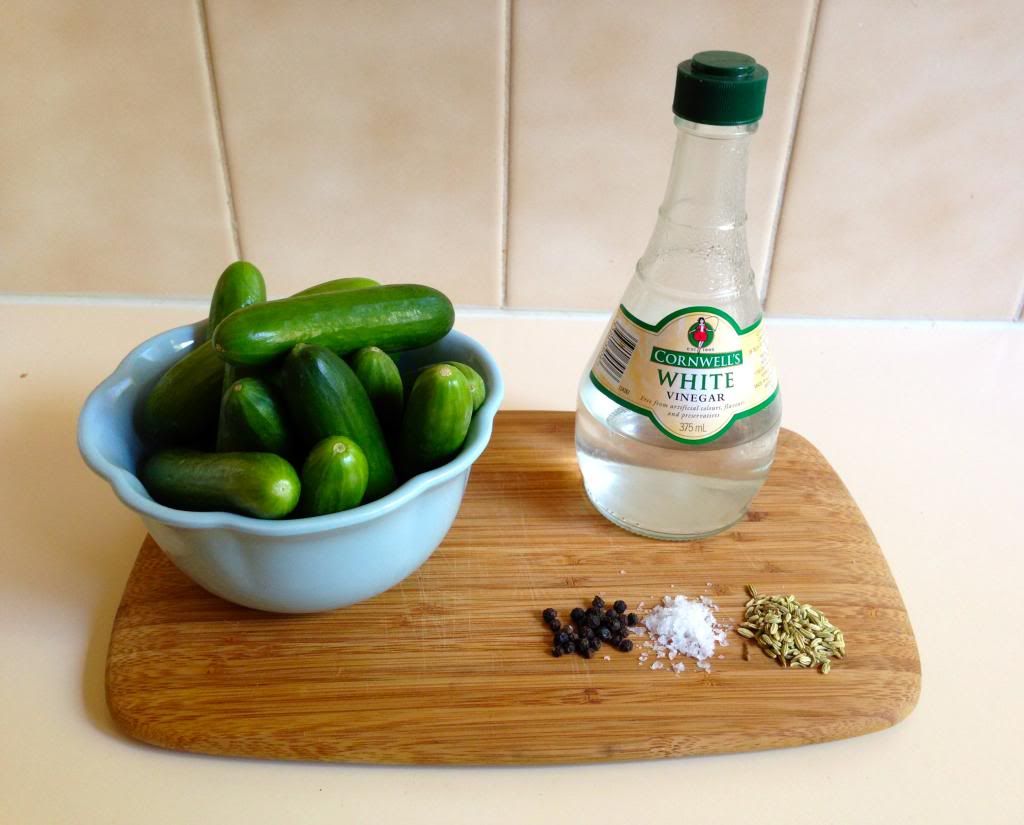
x=679, y=410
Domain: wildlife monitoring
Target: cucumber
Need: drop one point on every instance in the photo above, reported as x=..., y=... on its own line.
x=325, y=398
x=379, y=375
x=240, y=285
x=334, y=477
x=436, y=419
x=338, y=285
x=182, y=408
x=263, y=485
x=252, y=420
x=394, y=317
x=477, y=388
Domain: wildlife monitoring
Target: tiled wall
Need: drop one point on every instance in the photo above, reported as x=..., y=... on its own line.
x=511, y=152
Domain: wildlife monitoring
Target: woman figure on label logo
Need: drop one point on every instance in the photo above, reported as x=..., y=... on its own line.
x=700, y=335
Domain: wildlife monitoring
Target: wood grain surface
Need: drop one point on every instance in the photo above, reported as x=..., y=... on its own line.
x=452, y=666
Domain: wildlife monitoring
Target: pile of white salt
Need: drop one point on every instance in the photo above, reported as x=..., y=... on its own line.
x=681, y=627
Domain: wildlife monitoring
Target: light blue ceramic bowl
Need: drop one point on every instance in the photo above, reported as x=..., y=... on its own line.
x=294, y=565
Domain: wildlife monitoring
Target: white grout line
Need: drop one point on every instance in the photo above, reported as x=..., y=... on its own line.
x=218, y=122
x=505, y=137
x=943, y=323
x=496, y=313
x=773, y=235
x=499, y=313
x=109, y=300
x=163, y=302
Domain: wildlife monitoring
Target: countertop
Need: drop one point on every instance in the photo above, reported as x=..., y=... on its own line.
x=922, y=420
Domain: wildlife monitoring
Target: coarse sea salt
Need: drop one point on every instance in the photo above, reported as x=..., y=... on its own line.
x=679, y=625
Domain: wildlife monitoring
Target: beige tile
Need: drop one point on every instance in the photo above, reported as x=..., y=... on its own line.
x=904, y=195
x=109, y=174
x=364, y=138
x=592, y=132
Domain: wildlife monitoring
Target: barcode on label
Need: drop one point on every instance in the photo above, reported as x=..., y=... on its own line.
x=618, y=349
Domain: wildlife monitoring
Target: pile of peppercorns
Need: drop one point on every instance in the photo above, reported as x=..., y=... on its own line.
x=591, y=628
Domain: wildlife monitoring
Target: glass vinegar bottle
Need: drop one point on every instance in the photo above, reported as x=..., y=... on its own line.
x=679, y=411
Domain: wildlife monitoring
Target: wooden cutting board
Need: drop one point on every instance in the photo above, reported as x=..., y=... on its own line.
x=452, y=666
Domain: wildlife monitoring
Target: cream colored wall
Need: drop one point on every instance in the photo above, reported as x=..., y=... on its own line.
x=512, y=153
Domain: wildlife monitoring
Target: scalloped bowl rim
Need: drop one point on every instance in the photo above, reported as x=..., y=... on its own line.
x=121, y=479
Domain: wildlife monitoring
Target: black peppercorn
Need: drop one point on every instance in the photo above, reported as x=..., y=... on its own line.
x=588, y=628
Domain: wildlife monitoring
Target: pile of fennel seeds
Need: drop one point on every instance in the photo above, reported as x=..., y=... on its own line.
x=794, y=634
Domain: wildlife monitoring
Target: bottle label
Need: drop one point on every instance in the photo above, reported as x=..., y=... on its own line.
x=693, y=373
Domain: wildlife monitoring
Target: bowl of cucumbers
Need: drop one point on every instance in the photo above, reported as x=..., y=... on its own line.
x=303, y=454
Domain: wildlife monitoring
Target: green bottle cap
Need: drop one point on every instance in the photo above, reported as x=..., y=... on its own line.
x=720, y=89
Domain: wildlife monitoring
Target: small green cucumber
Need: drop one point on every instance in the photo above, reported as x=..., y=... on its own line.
x=393, y=317
x=334, y=477
x=240, y=285
x=233, y=374
x=437, y=417
x=252, y=420
x=477, y=388
x=338, y=285
x=379, y=375
x=325, y=398
x=263, y=485
x=182, y=407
